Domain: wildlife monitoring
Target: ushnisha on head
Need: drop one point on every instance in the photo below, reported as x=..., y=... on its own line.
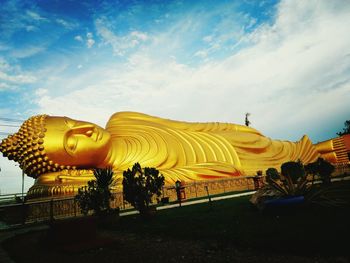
x=50, y=144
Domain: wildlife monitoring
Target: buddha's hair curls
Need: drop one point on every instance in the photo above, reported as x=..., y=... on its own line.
x=27, y=148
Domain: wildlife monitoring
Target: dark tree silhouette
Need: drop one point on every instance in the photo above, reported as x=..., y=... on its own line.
x=140, y=185
x=247, y=122
x=346, y=129
x=97, y=195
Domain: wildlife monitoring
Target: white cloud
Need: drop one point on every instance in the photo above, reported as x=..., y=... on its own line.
x=41, y=92
x=89, y=39
x=293, y=76
x=19, y=79
x=12, y=76
x=35, y=16
x=31, y=28
x=120, y=44
x=90, y=42
x=27, y=51
x=78, y=38
x=66, y=24
x=4, y=86
x=139, y=35
x=17, y=17
x=207, y=38
x=89, y=35
x=4, y=65
x=201, y=53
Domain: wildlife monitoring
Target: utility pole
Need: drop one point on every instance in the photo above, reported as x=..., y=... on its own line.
x=22, y=184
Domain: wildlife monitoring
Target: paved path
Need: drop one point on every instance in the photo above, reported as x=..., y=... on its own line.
x=204, y=200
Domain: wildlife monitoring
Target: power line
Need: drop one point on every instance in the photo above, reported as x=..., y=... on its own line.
x=11, y=120
x=6, y=125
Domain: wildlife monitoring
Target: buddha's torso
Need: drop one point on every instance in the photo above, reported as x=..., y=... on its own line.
x=198, y=150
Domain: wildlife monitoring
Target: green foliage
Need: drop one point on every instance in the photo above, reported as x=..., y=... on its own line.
x=321, y=168
x=97, y=195
x=293, y=171
x=272, y=174
x=346, y=129
x=140, y=185
x=292, y=180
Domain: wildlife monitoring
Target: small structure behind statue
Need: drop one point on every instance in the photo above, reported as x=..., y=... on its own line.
x=258, y=180
x=180, y=191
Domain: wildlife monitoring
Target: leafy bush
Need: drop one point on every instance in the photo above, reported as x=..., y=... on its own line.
x=97, y=195
x=140, y=185
x=272, y=174
x=346, y=129
x=291, y=181
x=321, y=168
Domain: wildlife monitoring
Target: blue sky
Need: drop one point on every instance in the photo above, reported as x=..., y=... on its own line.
x=285, y=62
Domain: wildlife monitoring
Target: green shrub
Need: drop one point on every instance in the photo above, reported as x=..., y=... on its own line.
x=96, y=196
x=291, y=181
x=321, y=168
x=272, y=174
x=140, y=185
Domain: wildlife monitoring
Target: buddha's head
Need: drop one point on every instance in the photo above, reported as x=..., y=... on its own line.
x=49, y=143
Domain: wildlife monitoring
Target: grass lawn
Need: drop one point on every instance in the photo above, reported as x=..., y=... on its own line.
x=300, y=230
x=230, y=230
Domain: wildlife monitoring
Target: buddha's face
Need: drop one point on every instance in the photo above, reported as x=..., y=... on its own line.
x=75, y=143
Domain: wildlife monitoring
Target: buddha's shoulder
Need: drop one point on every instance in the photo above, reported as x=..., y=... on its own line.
x=132, y=116
x=137, y=118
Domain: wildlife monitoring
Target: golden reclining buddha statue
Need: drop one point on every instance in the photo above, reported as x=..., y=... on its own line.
x=61, y=152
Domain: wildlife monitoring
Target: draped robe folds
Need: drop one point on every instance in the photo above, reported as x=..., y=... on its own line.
x=198, y=151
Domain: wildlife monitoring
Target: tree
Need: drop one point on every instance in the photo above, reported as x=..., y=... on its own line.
x=272, y=174
x=247, y=122
x=322, y=168
x=312, y=168
x=346, y=129
x=97, y=195
x=140, y=185
x=292, y=171
x=292, y=180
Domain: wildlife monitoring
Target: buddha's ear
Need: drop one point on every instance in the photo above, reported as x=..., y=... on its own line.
x=70, y=143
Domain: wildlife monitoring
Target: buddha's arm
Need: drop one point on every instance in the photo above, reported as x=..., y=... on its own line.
x=260, y=153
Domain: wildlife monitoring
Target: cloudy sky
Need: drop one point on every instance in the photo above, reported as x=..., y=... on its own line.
x=285, y=62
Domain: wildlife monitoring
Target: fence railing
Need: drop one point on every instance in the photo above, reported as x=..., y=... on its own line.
x=43, y=210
